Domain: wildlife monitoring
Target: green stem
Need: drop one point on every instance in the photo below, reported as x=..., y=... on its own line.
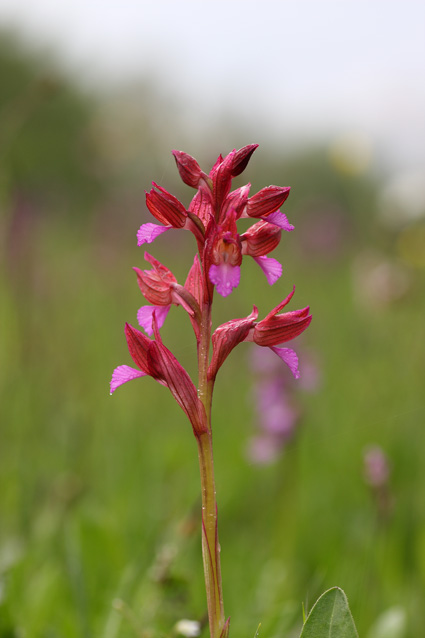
x=210, y=544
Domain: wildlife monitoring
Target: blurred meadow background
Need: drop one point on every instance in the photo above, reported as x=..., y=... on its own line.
x=99, y=496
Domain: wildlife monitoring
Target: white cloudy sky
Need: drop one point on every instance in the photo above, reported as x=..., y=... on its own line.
x=286, y=67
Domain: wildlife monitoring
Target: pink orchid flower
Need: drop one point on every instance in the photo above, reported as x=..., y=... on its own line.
x=212, y=217
x=160, y=287
x=270, y=332
x=154, y=359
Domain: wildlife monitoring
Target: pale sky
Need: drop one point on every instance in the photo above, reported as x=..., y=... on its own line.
x=300, y=67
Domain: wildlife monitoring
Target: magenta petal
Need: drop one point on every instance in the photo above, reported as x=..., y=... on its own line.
x=145, y=316
x=122, y=374
x=289, y=357
x=270, y=267
x=279, y=219
x=148, y=232
x=225, y=277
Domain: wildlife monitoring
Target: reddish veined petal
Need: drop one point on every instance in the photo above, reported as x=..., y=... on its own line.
x=267, y=201
x=180, y=385
x=241, y=159
x=228, y=336
x=188, y=168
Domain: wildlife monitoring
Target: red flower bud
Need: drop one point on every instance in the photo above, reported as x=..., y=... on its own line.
x=222, y=181
x=189, y=169
x=160, y=288
x=194, y=281
x=267, y=201
x=228, y=336
x=138, y=347
x=236, y=201
x=156, y=285
x=260, y=239
x=241, y=159
x=276, y=329
x=154, y=359
x=201, y=206
x=165, y=207
x=175, y=377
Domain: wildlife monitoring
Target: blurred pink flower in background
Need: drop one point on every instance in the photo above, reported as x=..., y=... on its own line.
x=376, y=467
x=378, y=281
x=324, y=231
x=277, y=409
x=377, y=472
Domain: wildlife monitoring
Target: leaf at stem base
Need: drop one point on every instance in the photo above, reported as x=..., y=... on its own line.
x=330, y=617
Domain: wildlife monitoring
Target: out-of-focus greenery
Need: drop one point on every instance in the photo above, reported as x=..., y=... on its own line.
x=45, y=146
x=99, y=500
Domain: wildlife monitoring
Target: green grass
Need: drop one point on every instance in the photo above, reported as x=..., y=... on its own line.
x=98, y=493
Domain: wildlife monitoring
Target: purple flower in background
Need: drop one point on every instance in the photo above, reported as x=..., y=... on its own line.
x=278, y=413
x=277, y=416
x=377, y=475
x=325, y=231
x=376, y=467
x=378, y=282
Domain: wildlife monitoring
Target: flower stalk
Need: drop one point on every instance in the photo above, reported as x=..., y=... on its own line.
x=212, y=218
x=210, y=543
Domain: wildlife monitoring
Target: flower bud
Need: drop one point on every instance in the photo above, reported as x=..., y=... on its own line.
x=165, y=207
x=228, y=336
x=267, y=201
x=282, y=328
x=278, y=328
x=260, y=239
x=222, y=181
x=189, y=169
x=154, y=359
x=241, y=159
x=236, y=201
x=156, y=285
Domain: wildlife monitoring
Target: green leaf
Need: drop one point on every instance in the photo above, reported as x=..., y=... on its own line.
x=330, y=617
